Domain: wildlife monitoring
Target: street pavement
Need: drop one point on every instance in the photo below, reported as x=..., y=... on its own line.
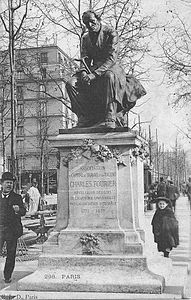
x=174, y=269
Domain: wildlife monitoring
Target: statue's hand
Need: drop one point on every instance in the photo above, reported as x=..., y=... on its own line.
x=82, y=75
x=86, y=79
x=91, y=77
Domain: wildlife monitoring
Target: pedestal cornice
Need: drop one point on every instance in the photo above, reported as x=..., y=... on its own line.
x=109, y=138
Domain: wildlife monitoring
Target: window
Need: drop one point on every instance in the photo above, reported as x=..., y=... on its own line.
x=20, y=145
x=4, y=73
x=21, y=163
x=9, y=163
x=60, y=60
x=20, y=130
x=42, y=108
x=19, y=74
x=1, y=92
x=42, y=89
x=43, y=73
x=44, y=57
x=19, y=92
x=43, y=128
x=43, y=125
x=20, y=109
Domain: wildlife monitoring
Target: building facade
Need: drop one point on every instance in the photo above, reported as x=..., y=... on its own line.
x=42, y=108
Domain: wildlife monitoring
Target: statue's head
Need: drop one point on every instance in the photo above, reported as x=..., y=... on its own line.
x=92, y=20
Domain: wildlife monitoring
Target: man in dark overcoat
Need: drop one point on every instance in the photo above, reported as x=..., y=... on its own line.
x=172, y=193
x=102, y=90
x=11, y=210
x=161, y=188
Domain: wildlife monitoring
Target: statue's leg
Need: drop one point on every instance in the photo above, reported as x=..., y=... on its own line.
x=110, y=117
x=109, y=100
x=79, y=101
x=73, y=93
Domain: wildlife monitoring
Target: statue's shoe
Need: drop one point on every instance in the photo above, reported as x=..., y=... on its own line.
x=110, y=124
x=84, y=122
x=99, y=124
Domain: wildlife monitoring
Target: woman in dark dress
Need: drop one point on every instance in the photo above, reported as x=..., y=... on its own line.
x=165, y=226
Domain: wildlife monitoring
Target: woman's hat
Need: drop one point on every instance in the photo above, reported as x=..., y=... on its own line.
x=164, y=199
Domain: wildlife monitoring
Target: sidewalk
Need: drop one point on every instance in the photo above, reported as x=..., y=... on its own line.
x=174, y=269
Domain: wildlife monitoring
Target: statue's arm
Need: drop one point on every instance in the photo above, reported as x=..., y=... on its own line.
x=110, y=53
x=84, y=53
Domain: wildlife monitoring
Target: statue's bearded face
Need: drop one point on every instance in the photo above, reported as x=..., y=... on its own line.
x=91, y=23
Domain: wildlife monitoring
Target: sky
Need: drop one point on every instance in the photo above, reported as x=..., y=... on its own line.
x=164, y=117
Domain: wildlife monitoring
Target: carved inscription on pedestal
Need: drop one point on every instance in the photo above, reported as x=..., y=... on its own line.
x=92, y=193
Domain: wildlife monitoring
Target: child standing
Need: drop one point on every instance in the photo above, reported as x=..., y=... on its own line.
x=165, y=226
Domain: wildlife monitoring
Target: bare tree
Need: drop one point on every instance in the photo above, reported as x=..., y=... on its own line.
x=29, y=34
x=46, y=83
x=125, y=16
x=13, y=30
x=4, y=109
x=176, y=58
x=22, y=27
x=167, y=162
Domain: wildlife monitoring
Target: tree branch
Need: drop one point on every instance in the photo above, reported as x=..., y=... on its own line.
x=18, y=6
x=23, y=18
x=138, y=123
x=4, y=24
x=62, y=100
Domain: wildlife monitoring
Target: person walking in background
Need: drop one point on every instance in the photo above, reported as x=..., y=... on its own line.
x=172, y=193
x=152, y=193
x=188, y=190
x=34, y=198
x=11, y=210
x=165, y=226
x=183, y=188
x=161, y=188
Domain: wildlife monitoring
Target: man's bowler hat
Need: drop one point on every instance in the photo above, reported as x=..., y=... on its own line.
x=7, y=176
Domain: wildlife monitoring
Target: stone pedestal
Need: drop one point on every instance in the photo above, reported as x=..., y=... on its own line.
x=96, y=244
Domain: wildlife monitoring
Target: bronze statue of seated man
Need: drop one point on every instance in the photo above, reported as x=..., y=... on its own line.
x=101, y=90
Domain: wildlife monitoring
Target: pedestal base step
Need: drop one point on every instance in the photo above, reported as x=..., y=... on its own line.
x=106, y=274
